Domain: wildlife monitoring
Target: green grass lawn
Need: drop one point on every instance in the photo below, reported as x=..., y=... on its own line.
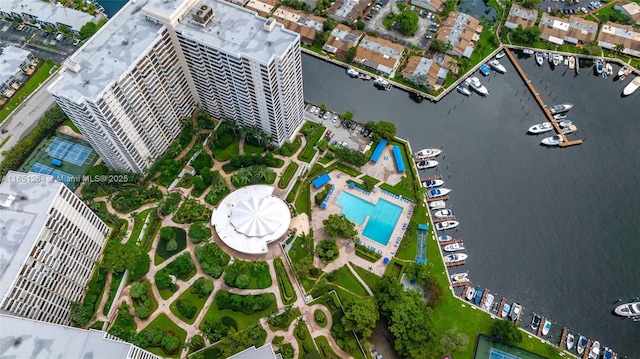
x=191, y=298
x=163, y=321
x=368, y=277
x=303, y=200
x=347, y=280
x=242, y=320
x=138, y=222
x=325, y=349
x=71, y=126
x=38, y=77
x=287, y=175
x=250, y=149
x=223, y=154
x=305, y=341
x=314, y=131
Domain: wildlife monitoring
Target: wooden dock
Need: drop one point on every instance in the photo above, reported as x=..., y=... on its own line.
x=540, y=327
x=587, y=349
x=443, y=198
x=423, y=159
x=563, y=337
x=455, y=264
x=443, y=219
x=536, y=95
x=465, y=290
x=484, y=297
x=435, y=177
x=503, y=301
x=520, y=316
x=453, y=241
x=460, y=284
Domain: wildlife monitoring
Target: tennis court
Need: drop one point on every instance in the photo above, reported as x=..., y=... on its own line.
x=57, y=174
x=488, y=348
x=68, y=151
x=499, y=354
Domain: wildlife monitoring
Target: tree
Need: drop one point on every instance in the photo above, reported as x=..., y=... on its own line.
x=618, y=48
x=172, y=245
x=242, y=281
x=142, y=311
x=137, y=290
x=453, y=341
x=420, y=79
x=186, y=308
x=506, y=331
x=213, y=329
x=360, y=316
x=167, y=234
x=163, y=279
x=199, y=231
x=531, y=4
x=202, y=287
x=411, y=325
x=87, y=30
x=385, y=129
x=327, y=250
x=408, y=21
x=440, y=46
x=170, y=343
x=347, y=116
x=337, y=225
x=351, y=54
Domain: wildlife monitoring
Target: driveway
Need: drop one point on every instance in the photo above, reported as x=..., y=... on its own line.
x=349, y=137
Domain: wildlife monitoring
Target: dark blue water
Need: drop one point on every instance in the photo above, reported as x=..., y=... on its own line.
x=554, y=229
x=111, y=7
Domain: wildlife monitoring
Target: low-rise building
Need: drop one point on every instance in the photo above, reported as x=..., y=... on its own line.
x=379, y=54
x=341, y=39
x=613, y=34
x=462, y=31
x=43, y=14
x=553, y=29
x=51, y=241
x=299, y=21
x=630, y=9
x=521, y=16
x=262, y=7
x=347, y=10
x=431, y=5
x=16, y=63
x=264, y=352
x=581, y=31
x=574, y=30
x=421, y=69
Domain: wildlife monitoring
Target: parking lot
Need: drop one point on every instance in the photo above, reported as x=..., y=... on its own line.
x=373, y=20
x=570, y=8
x=41, y=44
x=340, y=133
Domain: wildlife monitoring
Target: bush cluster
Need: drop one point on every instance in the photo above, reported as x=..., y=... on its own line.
x=286, y=288
x=81, y=313
x=247, y=304
x=131, y=198
x=212, y=259
x=240, y=273
x=191, y=211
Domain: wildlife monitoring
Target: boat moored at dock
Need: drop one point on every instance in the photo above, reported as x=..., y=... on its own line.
x=540, y=128
x=443, y=213
x=628, y=309
x=595, y=350
x=572, y=62
x=539, y=58
x=500, y=55
x=437, y=205
x=488, y=302
x=453, y=247
x=554, y=140
x=427, y=153
x=515, y=311
x=432, y=183
x=506, y=309
x=352, y=73
x=631, y=87
x=560, y=108
x=438, y=192
x=599, y=66
x=444, y=238
x=546, y=327
x=478, y=87
x=363, y=76
x=570, y=341
x=382, y=84
x=623, y=70
x=443, y=226
x=582, y=344
x=496, y=65
x=535, y=322
x=425, y=164
x=485, y=70
x=463, y=90
x=460, y=277
x=457, y=257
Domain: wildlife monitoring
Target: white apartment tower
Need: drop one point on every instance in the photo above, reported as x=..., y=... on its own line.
x=49, y=243
x=130, y=85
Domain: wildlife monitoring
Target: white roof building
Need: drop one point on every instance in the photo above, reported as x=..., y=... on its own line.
x=250, y=218
x=45, y=13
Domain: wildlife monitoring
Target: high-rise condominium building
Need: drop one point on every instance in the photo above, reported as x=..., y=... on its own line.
x=130, y=85
x=49, y=243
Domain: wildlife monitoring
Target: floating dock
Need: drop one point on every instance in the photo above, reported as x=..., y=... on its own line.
x=484, y=297
x=520, y=316
x=455, y=264
x=536, y=95
x=453, y=241
x=540, y=327
x=460, y=284
x=587, y=349
x=443, y=219
x=465, y=290
x=443, y=198
x=563, y=338
x=435, y=177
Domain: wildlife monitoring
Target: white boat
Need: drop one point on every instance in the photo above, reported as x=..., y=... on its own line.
x=364, y=76
x=460, y=277
x=488, y=302
x=444, y=238
x=535, y=323
x=631, y=87
x=595, y=350
x=565, y=123
x=471, y=292
x=463, y=90
x=381, y=83
x=556, y=59
x=505, y=310
x=570, y=341
x=457, y=257
x=432, y=183
x=443, y=213
x=423, y=165
x=609, y=69
x=572, y=62
x=453, y=247
x=443, y=226
x=623, y=76
x=428, y=152
x=582, y=344
x=437, y=205
x=527, y=51
x=496, y=65
x=566, y=61
x=628, y=309
x=569, y=129
x=500, y=55
x=352, y=73
x=623, y=70
x=541, y=128
x=559, y=116
x=475, y=84
x=563, y=107
x=554, y=140
x=546, y=326
x=539, y=58
x=438, y=192
x=599, y=66
x=515, y=311
x=607, y=354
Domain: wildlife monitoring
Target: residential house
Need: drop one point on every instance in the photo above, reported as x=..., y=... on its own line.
x=433, y=73
x=432, y=5
x=581, y=31
x=521, y=16
x=299, y=21
x=462, y=31
x=613, y=34
x=341, y=39
x=43, y=14
x=379, y=54
x=15, y=63
x=553, y=29
x=631, y=9
x=574, y=30
x=262, y=7
x=347, y=10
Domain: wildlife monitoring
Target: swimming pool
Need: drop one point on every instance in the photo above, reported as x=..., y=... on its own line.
x=383, y=216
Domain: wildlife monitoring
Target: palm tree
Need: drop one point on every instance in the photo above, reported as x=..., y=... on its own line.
x=618, y=48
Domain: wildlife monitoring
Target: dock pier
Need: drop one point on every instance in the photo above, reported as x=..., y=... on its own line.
x=536, y=95
x=453, y=241
x=443, y=198
x=434, y=177
x=455, y=264
x=503, y=301
x=540, y=327
x=443, y=219
x=587, y=349
x=520, y=316
x=563, y=337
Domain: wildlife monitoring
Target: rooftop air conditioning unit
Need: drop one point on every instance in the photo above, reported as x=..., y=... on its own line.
x=203, y=15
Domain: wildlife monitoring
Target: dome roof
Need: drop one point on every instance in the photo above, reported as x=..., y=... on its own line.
x=257, y=217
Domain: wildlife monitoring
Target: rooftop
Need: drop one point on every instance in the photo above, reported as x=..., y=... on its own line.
x=26, y=338
x=264, y=352
x=107, y=55
x=25, y=199
x=11, y=58
x=49, y=12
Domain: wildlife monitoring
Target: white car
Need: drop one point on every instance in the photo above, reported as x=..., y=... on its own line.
x=335, y=118
x=313, y=110
x=327, y=115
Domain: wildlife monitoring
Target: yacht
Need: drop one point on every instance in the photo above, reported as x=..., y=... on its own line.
x=463, y=90
x=460, y=277
x=444, y=238
x=443, y=213
x=539, y=58
x=451, y=258
x=541, y=128
x=595, y=350
x=569, y=129
x=488, y=302
x=500, y=55
x=570, y=341
x=556, y=59
x=443, y=226
x=437, y=205
x=438, y=192
x=609, y=70
x=382, y=84
x=484, y=70
x=599, y=66
x=454, y=247
x=352, y=73
x=496, y=65
x=623, y=70
x=554, y=140
x=572, y=62
x=563, y=107
x=515, y=311
x=505, y=310
x=546, y=326
x=527, y=51
x=364, y=76
x=535, y=322
x=433, y=183
x=560, y=116
x=475, y=84
x=631, y=87
x=428, y=152
x=565, y=123
x=628, y=309
x=582, y=343
x=471, y=292
x=424, y=164
x=566, y=61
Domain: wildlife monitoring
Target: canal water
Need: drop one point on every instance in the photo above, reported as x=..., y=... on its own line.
x=553, y=229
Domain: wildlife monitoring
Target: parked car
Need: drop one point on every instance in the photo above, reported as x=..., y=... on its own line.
x=313, y=109
x=326, y=115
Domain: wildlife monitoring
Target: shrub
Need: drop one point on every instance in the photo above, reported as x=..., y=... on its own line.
x=137, y=290
x=212, y=259
x=247, y=304
x=199, y=232
x=286, y=288
x=186, y=308
x=320, y=317
x=170, y=204
x=182, y=266
x=162, y=279
x=202, y=287
x=327, y=250
x=191, y=211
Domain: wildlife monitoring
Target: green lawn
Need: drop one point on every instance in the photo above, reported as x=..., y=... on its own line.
x=38, y=77
x=312, y=132
x=71, y=125
x=242, y=320
x=287, y=175
x=113, y=288
x=303, y=201
x=191, y=298
x=223, y=154
x=408, y=246
x=138, y=222
x=163, y=321
x=325, y=349
x=305, y=341
x=347, y=280
x=249, y=149
x=368, y=277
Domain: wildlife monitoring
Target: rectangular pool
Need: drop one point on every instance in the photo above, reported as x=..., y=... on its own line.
x=383, y=216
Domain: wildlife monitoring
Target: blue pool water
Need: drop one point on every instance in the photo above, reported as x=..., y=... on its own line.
x=383, y=216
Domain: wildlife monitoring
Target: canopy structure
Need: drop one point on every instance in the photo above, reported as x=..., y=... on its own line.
x=378, y=151
x=321, y=181
x=398, y=157
x=250, y=218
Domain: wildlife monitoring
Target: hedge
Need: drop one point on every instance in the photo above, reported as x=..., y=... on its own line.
x=284, y=283
x=287, y=175
x=366, y=253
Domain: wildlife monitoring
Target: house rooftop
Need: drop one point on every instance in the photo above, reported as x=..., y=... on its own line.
x=47, y=11
x=11, y=58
